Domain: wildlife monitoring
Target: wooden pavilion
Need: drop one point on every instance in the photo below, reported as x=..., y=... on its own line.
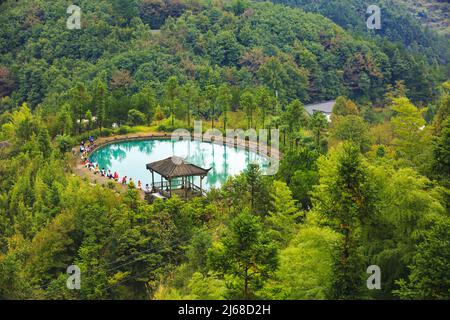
x=179, y=177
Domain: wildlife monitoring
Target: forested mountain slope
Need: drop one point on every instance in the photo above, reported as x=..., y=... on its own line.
x=302, y=55
x=399, y=22
x=369, y=188
x=432, y=13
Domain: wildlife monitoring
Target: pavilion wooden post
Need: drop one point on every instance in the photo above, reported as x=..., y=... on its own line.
x=201, y=180
x=153, y=181
x=170, y=187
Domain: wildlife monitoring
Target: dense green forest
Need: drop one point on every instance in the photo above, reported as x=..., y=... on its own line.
x=400, y=22
x=434, y=14
x=372, y=187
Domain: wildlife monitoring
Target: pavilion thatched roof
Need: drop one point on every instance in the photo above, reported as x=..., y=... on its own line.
x=176, y=167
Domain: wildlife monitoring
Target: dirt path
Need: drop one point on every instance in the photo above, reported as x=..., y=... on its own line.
x=79, y=169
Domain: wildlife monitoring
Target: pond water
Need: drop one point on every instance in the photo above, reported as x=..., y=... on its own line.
x=129, y=158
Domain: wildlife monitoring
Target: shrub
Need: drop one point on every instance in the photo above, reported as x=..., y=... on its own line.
x=106, y=132
x=64, y=143
x=111, y=185
x=166, y=125
x=85, y=135
x=124, y=130
x=136, y=117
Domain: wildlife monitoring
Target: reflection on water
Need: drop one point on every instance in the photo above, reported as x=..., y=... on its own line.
x=129, y=158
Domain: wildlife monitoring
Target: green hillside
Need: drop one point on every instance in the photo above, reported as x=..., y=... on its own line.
x=400, y=21
x=317, y=59
x=434, y=14
x=362, y=184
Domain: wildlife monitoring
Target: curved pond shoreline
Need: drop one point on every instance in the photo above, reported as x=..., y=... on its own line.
x=103, y=142
x=237, y=143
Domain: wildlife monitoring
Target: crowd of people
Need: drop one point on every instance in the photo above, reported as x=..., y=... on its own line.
x=85, y=148
x=94, y=167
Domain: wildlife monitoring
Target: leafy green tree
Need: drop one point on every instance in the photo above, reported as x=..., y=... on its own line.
x=224, y=48
x=126, y=10
x=145, y=102
x=430, y=270
x=406, y=207
x=64, y=143
x=246, y=255
x=272, y=74
x=441, y=155
x=285, y=215
x=159, y=114
x=89, y=119
x=295, y=118
x=191, y=95
x=444, y=108
x=265, y=103
x=257, y=189
x=306, y=266
x=197, y=252
x=399, y=90
x=247, y=103
x=344, y=195
x=224, y=101
x=211, y=100
x=80, y=100
x=208, y=287
x=44, y=142
x=345, y=107
x=408, y=125
x=318, y=123
x=64, y=120
x=135, y=117
x=171, y=93
x=352, y=128
x=100, y=97
x=302, y=183
x=239, y=6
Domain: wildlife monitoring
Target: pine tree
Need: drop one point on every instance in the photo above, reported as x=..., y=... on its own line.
x=408, y=125
x=171, y=91
x=247, y=103
x=430, y=270
x=43, y=139
x=100, y=96
x=285, y=214
x=224, y=100
x=345, y=197
x=317, y=124
x=246, y=254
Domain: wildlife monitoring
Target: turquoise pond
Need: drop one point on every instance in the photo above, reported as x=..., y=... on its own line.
x=130, y=157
